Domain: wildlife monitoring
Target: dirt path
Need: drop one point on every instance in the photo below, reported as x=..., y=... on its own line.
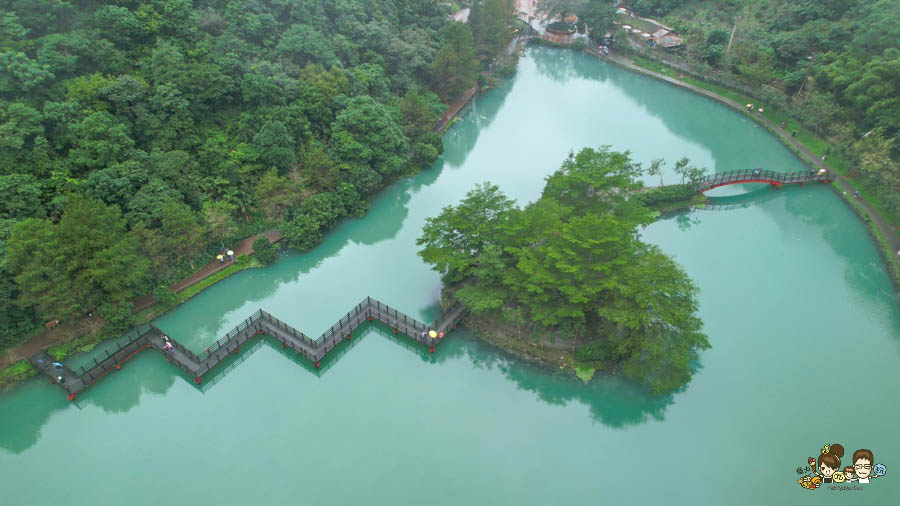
x=454, y=108
x=76, y=328
x=886, y=229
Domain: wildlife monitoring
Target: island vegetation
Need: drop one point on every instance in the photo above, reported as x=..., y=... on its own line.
x=571, y=266
x=141, y=136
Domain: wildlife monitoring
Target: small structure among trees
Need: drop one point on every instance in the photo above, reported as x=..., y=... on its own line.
x=665, y=38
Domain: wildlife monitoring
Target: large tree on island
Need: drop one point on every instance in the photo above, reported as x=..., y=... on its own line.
x=572, y=262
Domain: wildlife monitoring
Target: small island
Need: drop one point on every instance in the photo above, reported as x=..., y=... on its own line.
x=566, y=280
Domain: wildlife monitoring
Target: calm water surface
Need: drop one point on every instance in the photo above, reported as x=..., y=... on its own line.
x=803, y=321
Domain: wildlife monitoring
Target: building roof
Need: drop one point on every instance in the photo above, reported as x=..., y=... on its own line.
x=665, y=38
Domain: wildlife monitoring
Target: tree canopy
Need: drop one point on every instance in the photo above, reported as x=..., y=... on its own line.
x=833, y=65
x=174, y=127
x=572, y=262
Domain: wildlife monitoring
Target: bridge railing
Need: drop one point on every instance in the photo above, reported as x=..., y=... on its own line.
x=231, y=335
x=112, y=356
x=399, y=316
x=720, y=178
x=347, y=319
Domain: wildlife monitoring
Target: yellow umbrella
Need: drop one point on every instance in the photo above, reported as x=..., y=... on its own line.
x=432, y=334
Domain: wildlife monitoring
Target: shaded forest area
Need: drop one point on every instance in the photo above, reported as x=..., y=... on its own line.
x=138, y=137
x=834, y=65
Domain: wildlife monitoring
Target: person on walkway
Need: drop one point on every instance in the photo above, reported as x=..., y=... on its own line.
x=60, y=380
x=220, y=258
x=823, y=157
x=230, y=255
x=794, y=133
x=783, y=124
x=167, y=346
x=856, y=193
x=58, y=366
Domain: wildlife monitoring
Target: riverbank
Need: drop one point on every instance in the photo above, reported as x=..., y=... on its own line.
x=85, y=334
x=882, y=232
x=14, y=367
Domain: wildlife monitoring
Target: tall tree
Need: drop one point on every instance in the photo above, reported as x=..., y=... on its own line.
x=182, y=231
x=454, y=67
x=86, y=259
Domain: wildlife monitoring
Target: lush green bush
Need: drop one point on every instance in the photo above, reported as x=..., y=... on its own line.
x=165, y=295
x=264, y=251
x=599, y=352
x=119, y=317
x=670, y=193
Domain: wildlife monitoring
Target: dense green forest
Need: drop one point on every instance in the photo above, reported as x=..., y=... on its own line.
x=834, y=65
x=572, y=264
x=139, y=136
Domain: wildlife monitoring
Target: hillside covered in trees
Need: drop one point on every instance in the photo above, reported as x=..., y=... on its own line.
x=571, y=264
x=834, y=65
x=138, y=136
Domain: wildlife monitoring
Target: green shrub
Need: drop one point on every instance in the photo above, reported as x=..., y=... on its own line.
x=600, y=351
x=119, y=317
x=264, y=250
x=423, y=156
x=665, y=194
x=165, y=295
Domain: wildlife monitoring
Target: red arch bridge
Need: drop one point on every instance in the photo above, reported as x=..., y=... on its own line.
x=776, y=179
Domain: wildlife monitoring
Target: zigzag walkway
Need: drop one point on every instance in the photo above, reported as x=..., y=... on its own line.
x=261, y=322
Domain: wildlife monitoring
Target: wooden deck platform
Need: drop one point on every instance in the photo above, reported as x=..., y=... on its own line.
x=258, y=324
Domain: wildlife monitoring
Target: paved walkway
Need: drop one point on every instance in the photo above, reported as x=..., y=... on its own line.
x=244, y=247
x=51, y=337
x=886, y=229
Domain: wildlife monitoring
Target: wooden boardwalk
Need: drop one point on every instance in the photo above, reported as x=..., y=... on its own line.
x=776, y=179
x=258, y=324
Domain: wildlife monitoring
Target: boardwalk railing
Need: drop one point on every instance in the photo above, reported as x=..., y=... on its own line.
x=763, y=176
x=260, y=322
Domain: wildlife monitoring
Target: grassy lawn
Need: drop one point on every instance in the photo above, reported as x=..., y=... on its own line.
x=15, y=373
x=637, y=23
